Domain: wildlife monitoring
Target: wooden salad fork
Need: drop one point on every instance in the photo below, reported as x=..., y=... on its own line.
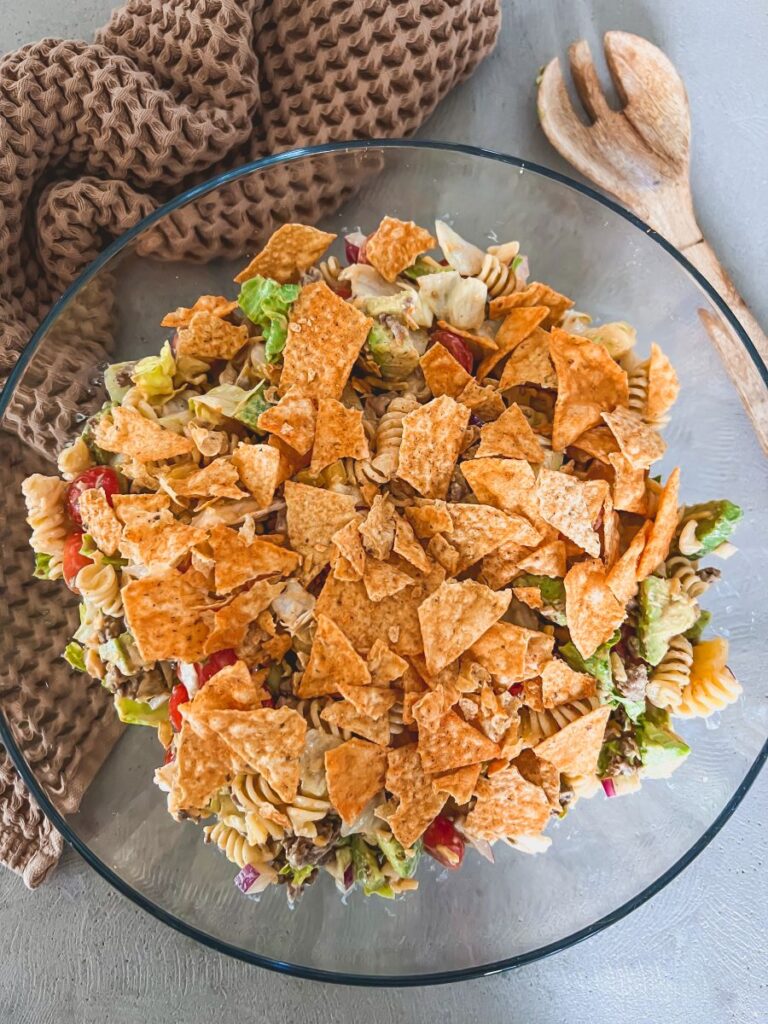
x=641, y=155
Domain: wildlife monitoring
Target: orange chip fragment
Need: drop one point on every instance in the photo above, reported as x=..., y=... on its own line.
x=507, y=484
x=168, y=616
x=476, y=341
x=369, y=701
x=216, y=480
x=332, y=660
x=325, y=335
x=382, y=579
x=591, y=608
x=127, y=432
x=231, y=622
x=160, y=540
x=432, y=439
x=238, y=560
x=629, y=485
x=203, y=765
x=530, y=363
x=407, y=546
x=563, y=502
x=429, y=519
x=453, y=744
x=663, y=529
x=501, y=650
x=480, y=529
x=536, y=294
x=258, y=466
x=502, y=565
x=355, y=772
x=293, y=420
x=507, y=805
x=339, y=434
x=290, y=250
x=444, y=553
x=598, y=442
x=455, y=616
x=640, y=444
x=541, y=773
x=419, y=803
x=559, y=684
x=130, y=508
x=217, y=305
x=511, y=436
x=208, y=337
x=384, y=665
x=346, y=716
x=547, y=560
x=443, y=373
x=99, y=520
x=576, y=747
x=623, y=576
x=515, y=328
x=459, y=782
x=232, y=688
x=663, y=385
x=395, y=244
x=539, y=652
x=314, y=515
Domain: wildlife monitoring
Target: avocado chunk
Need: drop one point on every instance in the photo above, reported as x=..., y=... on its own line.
x=661, y=750
x=367, y=870
x=664, y=613
x=403, y=861
x=391, y=348
x=122, y=652
x=715, y=522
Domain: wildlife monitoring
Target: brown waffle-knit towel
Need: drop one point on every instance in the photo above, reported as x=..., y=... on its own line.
x=93, y=136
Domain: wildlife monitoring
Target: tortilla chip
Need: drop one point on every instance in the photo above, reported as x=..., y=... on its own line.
x=477, y=342
x=501, y=650
x=349, y=547
x=384, y=665
x=563, y=503
x=432, y=439
x=458, y=783
x=131, y=508
x=516, y=327
x=663, y=385
x=231, y=622
x=407, y=546
x=339, y=434
x=429, y=519
x=99, y=520
x=325, y=335
x=511, y=436
x=480, y=529
x=394, y=620
x=589, y=383
x=629, y=486
x=395, y=244
x=502, y=565
x=507, y=805
x=378, y=528
x=216, y=480
x=540, y=773
x=314, y=515
x=290, y=461
x=167, y=616
x=598, y=442
x=547, y=560
x=663, y=529
x=293, y=420
x=443, y=373
x=623, y=576
x=269, y=740
x=290, y=250
x=203, y=765
x=346, y=716
x=592, y=611
x=532, y=694
x=530, y=363
x=575, y=749
x=370, y=701
x=208, y=337
x=383, y=580
x=453, y=744
x=485, y=402
x=160, y=541
x=232, y=688
x=507, y=484
x=560, y=684
x=419, y=803
x=125, y=431
x=535, y=294
x=258, y=466
x=640, y=444
x=444, y=553
x=217, y=305
x=455, y=616
x=332, y=661
x=238, y=560
x=355, y=773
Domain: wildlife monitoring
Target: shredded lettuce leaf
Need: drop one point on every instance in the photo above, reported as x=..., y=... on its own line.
x=42, y=565
x=74, y=655
x=552, y=592
x=228, y=401
x=122, y=652
x=267, y=304
x=252, y=406
x=153, y=375
x=136, y=712
x=89, y=550
x=117, y=380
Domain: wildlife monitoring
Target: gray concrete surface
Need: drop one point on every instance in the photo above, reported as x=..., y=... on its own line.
x=78, y=952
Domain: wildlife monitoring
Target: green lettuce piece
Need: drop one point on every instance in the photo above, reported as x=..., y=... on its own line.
x=661, y=749
x=367, y=870
x=717, y=523
x=421, y=268
x=396, y=356
x=598, y=665
x=298, y=876
x=42, y=565
x=89, y=550
x=136, y=712
x=122, y=652
x=267, y=304
x=99, y=456
x=222, y=401
x=663, y=614
x=552, y=590
x=695, y=632
x=118, y=378
x=252, y=406
x=153, y=375
x=403, y=861
x=74, y=655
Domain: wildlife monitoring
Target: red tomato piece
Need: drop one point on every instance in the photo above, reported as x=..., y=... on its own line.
x=101, y=478
x=458, y=348
x=170, y=754
x=516, y=689
x=352, y=252
x=72, y=560
x=179, y=695
x=214, y=664
x=444, y=843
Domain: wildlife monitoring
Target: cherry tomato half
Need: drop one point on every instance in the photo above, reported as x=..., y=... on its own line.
x=179, y=695
x=72, y=560
x=444, y=843
x=216, y=662
x=170, y=754
x=98, y=477
x=458, y=348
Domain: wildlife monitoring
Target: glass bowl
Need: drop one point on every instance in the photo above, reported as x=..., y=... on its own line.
x=606, y=858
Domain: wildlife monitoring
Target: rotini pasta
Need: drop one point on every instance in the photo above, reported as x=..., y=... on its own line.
x=74, y=459
x=671, y=675
x=712, y=685
x=389, y=435
x=685, y=571
x=540, y=725
x=498, y=277
x=235, y=846
x=301, y=815
x=44, y=496
x=310, y=710
x=99, y=585
x=330, y=270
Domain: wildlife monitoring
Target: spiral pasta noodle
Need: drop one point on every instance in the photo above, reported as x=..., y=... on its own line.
x=389, y=435
x=583, y=786
x=540, y=725
x=310, y=710
x=671, y=675
x=99, y=586
x=44, y=497
x=74, y=459
x=300, y=816
x=712, y=685
x=330, y=270
x=684, y=569
x=497, y=277
x=233, y=845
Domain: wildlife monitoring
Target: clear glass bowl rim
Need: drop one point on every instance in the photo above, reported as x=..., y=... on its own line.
x=60, y=821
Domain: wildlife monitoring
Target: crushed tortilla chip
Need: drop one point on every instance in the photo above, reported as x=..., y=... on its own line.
x=536, y=294
x=209, y=337
x=429, y=519
x=419, y=802
x=444, y=553
x=484, y=401
x=477, y=342
x=663, y=529
x=663, y=385
x=598, y=442
x=502, y=565
x=99, y=520
x=454, y=744
x=589, y=383
x=559, y=684
x=547, y=560
x=346, y=716
x=293, y=420
x=333, y=660
x=160, y=541
x=384, y=580
x=258, y=466
x=563, y=503
x=314, y=515
x=592, y=611
x=349, y=545
x=238, y=560
x=532, y=694
x=378, y=529
x=507, y=484
x=430, y=709
x=355, y=772
x=458, y=783
x=131, y=508
x=325, y=335
x=370, y=701
x=407, y=546
x=216, y=480
x=507, y=805
x=232, y=688
x=290, y=250
x=443, y=373
x=629, y=486
x=125, y=431
x=455, y=616
x=203, y=765
x=432, y=438
x=517, y=326
x=395, y=244
x=384, y=665
x=576, y=747
x=217, y=305
x=530, y=363
x=290, y=461
x=536, y=770
x=640, y=444
x=511, y=436
x=623, y=576
x=339, y=434
x=480, y=529
x=230, y=623
x=501, y=650
x=168, y=617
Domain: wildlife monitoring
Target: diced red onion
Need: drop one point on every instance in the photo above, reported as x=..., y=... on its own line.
x=516, y=689
x=349, y=877
x=245, y=879
x=609, y=787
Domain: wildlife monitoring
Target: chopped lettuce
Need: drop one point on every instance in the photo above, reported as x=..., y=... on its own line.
x=716, y=521
x=118, y=379
x=136, y=712
x=661, y=750
x=252, y=406
x=599, y=666
x=552, y=592
x=403, y=861
x=153, y=375
x=122, y=652
x=74, y=655
x=89, y=550
x=663, y=614
x=297, y=876
x=367, y=870
x=422, y=267
x=392, y=350
x=694, y=634
x=267, y=304
x=228, y=401
x=42, y=565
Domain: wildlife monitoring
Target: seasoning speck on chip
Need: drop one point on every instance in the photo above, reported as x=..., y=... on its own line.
x=430, y=445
